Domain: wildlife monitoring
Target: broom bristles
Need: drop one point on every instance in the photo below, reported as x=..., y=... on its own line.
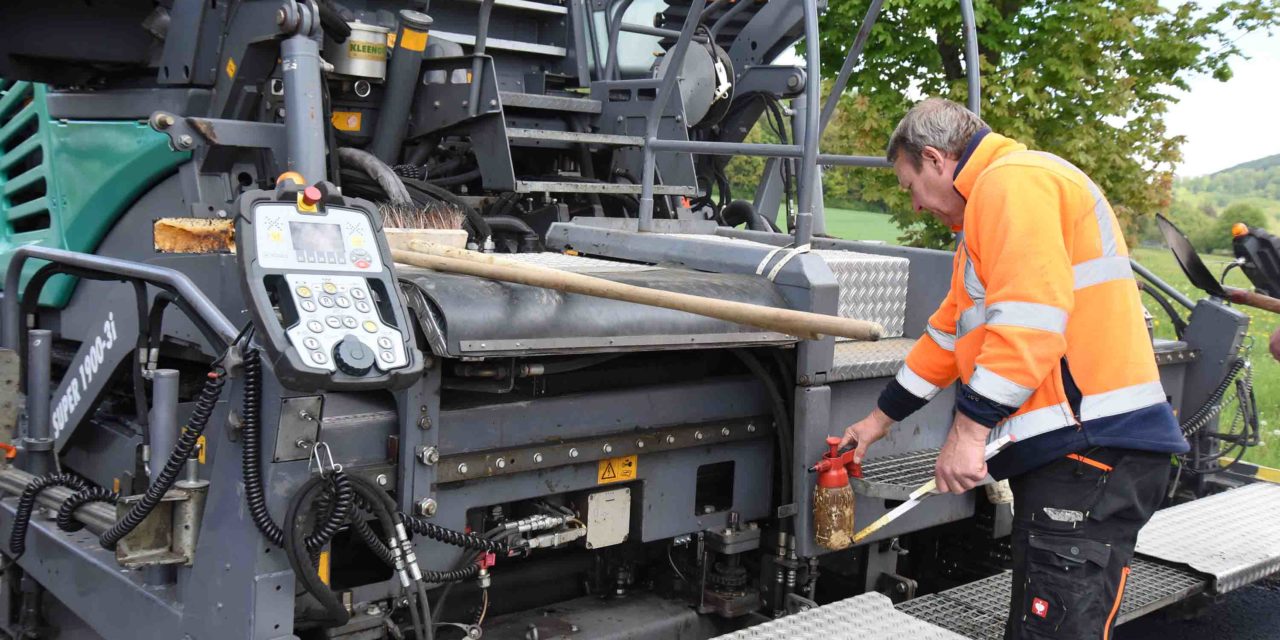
x=412, y=216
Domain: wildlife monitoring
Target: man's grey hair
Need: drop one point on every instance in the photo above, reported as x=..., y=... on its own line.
x=935, y=122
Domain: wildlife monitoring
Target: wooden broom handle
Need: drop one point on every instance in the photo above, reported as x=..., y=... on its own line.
x=810, y=326
x=1256, y=300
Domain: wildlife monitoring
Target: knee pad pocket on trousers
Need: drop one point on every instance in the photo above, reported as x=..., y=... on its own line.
x=1065, y=594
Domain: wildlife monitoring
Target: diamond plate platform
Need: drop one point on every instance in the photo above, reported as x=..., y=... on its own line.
x=979, y=609
x=575, y=264
x=895, y=477
x=1233, y=536
x=862, y=360
x=872, y=287
x=870, y=616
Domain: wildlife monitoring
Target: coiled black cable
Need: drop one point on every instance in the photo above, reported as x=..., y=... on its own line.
x=185, y=446
x=1211, y=405
x=251, y=468
x=67, y=510
x=370, y=539
x=250, y=453
x=27, y=502
x=434, y=531
x=455, y=575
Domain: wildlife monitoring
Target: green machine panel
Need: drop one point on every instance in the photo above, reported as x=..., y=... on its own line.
x=64, y=183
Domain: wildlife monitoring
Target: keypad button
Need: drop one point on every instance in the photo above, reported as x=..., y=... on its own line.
x=370, y=326
x=307, y=305
x=330, y=287
x=315, y=326
x=387, y=356
x=342, y=301
x=311, y=343
x=303, y=291
x=326, y=301
x=362, y=264
x=333, y=321
x=384, y=342
x=362, y=306
x=349, y=322
x=357, y=293
x=320, y=358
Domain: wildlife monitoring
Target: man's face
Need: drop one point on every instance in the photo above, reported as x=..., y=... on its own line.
x=931, y=185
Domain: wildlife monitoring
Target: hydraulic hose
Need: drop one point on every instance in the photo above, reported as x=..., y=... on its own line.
x=378, y=170
x=185, y=446
x=296, y=546
x=27, y=502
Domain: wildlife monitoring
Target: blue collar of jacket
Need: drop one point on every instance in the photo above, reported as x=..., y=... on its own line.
x=969, y=149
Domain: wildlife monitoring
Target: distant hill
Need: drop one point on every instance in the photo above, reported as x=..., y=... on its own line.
x=1260, y=163
x=1205, y=206
x=1257, y=181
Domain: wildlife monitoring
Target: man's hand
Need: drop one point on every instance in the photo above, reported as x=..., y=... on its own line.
x=866, y=431
x=962, y=463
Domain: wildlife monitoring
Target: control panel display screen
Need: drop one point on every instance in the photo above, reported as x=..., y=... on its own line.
x=317, y=237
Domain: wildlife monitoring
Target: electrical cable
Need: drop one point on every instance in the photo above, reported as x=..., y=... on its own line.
x=67, y=510
x=182, y=450
x=422, y=527
x=251, y=464
x=1211, y=405
x=27, y=502
x=782, y=426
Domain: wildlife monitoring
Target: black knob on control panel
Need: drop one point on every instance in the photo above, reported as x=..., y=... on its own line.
x=352, y=356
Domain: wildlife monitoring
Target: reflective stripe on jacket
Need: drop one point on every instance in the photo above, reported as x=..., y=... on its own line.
x=1043, y=323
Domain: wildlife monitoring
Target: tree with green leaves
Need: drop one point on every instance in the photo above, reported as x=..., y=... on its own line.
x=1088, y=80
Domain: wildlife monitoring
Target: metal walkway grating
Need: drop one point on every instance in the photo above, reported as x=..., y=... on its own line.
x=1233, y=536
x=978, y=610
x=870, y=616
x=895, y=477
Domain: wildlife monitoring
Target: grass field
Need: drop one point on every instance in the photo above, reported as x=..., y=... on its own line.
x=1266, y=371
x=861, y=225
x=864, y=225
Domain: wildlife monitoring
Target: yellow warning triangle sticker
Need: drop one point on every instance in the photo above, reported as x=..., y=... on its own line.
x=608, y=474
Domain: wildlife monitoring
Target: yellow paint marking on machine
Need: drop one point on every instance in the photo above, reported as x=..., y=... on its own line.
x=414, y=40
x=617, y=469
x=347, y=120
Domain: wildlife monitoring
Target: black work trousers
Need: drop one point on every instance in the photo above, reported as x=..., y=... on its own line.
x=1076, y=521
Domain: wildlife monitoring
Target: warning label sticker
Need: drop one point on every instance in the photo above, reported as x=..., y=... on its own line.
x=617, y=469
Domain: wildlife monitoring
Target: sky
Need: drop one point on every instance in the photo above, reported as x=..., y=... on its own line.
x=1232, y=122
x=1225, y=123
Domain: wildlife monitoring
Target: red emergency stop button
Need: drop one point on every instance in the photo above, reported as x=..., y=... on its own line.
x=311, y=195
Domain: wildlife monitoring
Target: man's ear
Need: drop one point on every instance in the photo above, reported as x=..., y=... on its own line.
x=933, y=158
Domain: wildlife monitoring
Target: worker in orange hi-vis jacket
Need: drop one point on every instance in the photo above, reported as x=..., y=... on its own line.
x=1044, y=330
